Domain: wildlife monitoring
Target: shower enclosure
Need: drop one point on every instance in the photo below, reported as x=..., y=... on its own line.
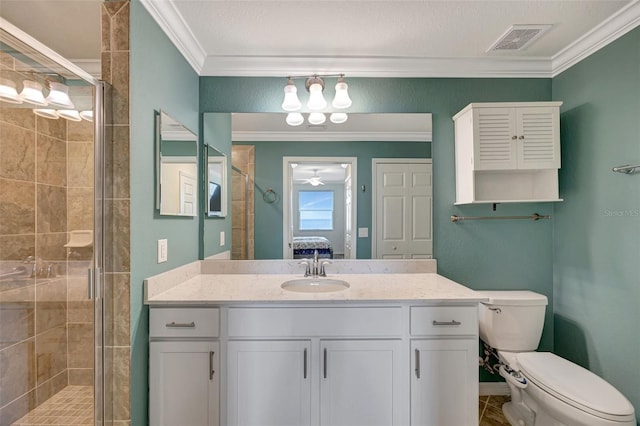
x=51, y=237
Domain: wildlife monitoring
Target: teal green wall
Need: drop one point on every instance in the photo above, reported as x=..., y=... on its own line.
x=268, y=174
x=216, y=131
x=596, y=261
x=160, y=79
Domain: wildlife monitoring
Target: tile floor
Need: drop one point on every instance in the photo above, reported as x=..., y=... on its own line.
x=490, y=413
x=73, y=405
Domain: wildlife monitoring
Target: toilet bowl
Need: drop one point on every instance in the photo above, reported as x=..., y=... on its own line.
x=546, y=390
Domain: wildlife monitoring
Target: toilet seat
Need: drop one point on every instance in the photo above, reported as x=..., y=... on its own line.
x=575, y=385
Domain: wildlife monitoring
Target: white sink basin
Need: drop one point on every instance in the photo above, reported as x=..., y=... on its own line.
x=314, y=285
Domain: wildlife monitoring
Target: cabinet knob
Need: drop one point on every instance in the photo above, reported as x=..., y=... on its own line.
x=513, y=138
x=521, y=137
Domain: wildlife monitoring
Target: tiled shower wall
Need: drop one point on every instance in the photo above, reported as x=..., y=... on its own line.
x=115, y=71
x=46, y=330
x=242, y=202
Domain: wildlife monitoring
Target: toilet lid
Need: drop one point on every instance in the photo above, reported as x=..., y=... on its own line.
x=574, y=385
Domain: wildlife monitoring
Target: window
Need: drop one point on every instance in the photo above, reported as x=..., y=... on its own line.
x=315, y=210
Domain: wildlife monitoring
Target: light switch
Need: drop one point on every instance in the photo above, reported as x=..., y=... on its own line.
x=363, y=232
x=162, y=250
x=221, y=238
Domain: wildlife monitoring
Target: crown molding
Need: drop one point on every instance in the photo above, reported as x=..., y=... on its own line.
x=614, y=27
x=394, y=67
x=172, y=24
x=320, y=136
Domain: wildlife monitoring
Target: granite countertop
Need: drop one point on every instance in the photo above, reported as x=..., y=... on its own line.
x=190, y=285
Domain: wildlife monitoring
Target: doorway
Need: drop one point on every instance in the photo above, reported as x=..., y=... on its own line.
x=319, y=209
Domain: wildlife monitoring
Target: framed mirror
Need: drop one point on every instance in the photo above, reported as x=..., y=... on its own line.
x=216, y=182
x=176, y=167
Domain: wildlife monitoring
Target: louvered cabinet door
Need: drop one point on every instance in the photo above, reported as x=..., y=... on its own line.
x=538, y=138
x=495, y=133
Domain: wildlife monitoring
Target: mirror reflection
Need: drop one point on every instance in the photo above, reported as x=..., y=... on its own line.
x=265, y=209
x=216, y=181
x=177, y=167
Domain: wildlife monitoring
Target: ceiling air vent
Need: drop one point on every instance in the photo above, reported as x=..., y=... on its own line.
x=517, y=37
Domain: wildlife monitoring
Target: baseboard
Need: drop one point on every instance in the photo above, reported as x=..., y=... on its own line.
x=494, y=388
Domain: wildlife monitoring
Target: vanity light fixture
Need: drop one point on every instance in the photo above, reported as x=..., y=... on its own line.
x=315, y=86
x=32, y=93
x=8, y=92
x=59, y=95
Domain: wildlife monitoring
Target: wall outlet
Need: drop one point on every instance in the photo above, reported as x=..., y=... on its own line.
x=162, y=250
x=221, y=238
x=363, y=232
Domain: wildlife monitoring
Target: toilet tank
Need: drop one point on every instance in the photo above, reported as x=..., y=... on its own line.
x=512, y=320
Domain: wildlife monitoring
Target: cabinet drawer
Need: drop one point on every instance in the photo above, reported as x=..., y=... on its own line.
x=312, y=322
x=184, y=322
x=444, y=320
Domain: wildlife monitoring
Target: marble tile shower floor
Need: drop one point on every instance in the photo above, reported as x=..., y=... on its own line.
x=73, y=405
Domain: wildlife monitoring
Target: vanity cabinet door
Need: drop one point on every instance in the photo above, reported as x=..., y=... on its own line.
x=269, y=383
x=183, y=383
x=360, y=382
x=444, y=382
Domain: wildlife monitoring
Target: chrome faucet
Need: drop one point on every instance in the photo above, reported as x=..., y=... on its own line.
x=315, y=264
x=314, y=267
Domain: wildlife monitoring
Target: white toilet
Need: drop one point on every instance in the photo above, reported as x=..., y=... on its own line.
x=546, y=390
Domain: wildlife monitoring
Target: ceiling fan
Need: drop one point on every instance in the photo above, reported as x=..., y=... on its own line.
x=314, y=180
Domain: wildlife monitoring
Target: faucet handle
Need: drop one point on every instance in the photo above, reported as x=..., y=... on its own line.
x=323, y=273
x=307, y=265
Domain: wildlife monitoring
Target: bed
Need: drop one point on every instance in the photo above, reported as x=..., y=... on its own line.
x=303, y=247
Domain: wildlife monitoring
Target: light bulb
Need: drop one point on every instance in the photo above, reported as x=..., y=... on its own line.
x=317, y=118
x=291, y=101
x=342, y=99
x=338, y=117
x=316, y=99
x=59, y=95
x=46, y=113
x=32, y=93
x=70, y=114
x=86, y=115
x=294, y=119
x=8, y=92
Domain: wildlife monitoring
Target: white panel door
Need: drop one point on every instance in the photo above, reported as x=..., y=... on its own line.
x=360, y=383
x=268, y=383
x=188, y=200
x=444, y=383
x=403, y=204
x=183, y=383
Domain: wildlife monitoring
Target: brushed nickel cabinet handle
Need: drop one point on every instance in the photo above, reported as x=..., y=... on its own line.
x=324, y=363
x=211, y=370
x=417, y=370
x=305, y=363
x=174, y=324
x=452, y=322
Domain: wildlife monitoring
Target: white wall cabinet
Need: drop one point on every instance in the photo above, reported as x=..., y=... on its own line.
x=315, y=365
x=507, y=152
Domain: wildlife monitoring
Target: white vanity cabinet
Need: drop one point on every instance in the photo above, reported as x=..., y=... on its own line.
x=338, y=364
x=184, y=367
x=507, y=152
x=444, y=366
